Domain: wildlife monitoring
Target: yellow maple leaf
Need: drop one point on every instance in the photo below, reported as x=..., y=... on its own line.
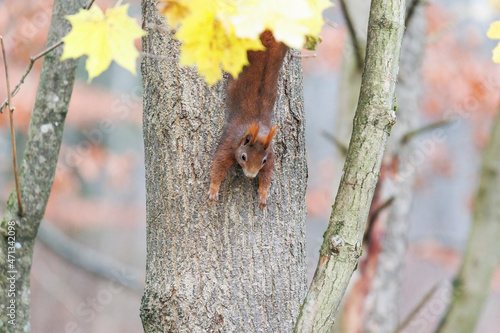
x=494, y=33
x=289, y=20
x=103, y=37
x=174, y=10
x=210, y=42
x=315, y=22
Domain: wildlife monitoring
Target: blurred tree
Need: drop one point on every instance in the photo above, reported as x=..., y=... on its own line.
x=227, y=267
x=37, y=170
x=472, y=285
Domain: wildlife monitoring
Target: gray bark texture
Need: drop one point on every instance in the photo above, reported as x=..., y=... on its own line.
x=382, y=303
x=226, y=267
x=37, y=171
x=374, y=118
x=472, y=286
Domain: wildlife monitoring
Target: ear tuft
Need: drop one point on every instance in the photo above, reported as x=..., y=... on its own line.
x=251, y=134
x=270, y=136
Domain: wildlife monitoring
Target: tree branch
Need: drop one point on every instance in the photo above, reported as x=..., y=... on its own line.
x=417, y=309
x=410, y=135
x=353, y=34
x=341, y=248
x=32, y=62
x=411, y=10
x=340, y=146
x=88, y=259
x=12, y=131
x=39, y=163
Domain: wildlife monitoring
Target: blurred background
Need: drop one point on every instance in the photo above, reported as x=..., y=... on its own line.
x=97, y=205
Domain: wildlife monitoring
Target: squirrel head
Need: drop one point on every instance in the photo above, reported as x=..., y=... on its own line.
x=253, y=150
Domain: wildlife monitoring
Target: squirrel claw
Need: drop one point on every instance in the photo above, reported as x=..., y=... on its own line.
x=262, y=201
x=213, y=196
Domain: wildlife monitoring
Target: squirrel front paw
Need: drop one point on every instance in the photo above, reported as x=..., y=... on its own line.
x=262, y=199
x=213, y=193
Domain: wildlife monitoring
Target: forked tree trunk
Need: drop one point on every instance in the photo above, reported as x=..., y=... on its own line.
x=226, y=267
x=36, y=174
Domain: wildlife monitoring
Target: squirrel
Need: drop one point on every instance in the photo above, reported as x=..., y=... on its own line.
x=247, y=134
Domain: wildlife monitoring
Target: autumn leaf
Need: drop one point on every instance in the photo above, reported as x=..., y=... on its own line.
x=103, y=37
x=218, y=33
x=174, y=11
x=291, y=21
x=209, y=43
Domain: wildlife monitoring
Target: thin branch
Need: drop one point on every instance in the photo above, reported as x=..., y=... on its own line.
x=313, y=55
x=410, y=135
x=12, y=132
x=32, y=61
x=417, y=309
x=331, y=23
x=340, y=146
x=354, y=36
x=89, y=259
x=90, y=4
x=28, y=70
x=378, y=210
x=411, y=10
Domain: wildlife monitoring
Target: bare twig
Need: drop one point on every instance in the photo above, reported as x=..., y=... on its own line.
x=410, y=135
x=340, y=146
x=414, y=4
x=28, y=70
x=417, y=309
x=313, y=55
x=12, y=131
x=32, y=61
x=354, y=36
x=379, y=209
x=90, y=4
x=89, y=259
x=331, y=23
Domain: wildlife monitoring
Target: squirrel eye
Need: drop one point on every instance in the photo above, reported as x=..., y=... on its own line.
x=244, y=157
x=264, y=160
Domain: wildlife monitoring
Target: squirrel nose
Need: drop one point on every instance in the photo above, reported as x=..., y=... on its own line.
x=250, y=174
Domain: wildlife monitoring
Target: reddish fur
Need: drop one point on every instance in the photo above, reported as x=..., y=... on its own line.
x=270, y=136
x=249, y=105
x=254, y=132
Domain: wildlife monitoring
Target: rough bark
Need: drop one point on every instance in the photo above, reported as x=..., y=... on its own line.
x=374, y=118
x=37, y=169
x=471, y=287
x=226, y=267
x=382, y=303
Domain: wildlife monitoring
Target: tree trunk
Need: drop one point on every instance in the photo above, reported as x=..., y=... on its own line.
x=373, y=121
x=226, y=267
x=37, y=172
x=471, y=288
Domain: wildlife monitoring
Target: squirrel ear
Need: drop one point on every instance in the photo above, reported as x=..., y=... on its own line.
x=270, y=136
x=247, y=139
x=251, y=134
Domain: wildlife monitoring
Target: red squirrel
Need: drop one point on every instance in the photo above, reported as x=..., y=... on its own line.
x=247, y=134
